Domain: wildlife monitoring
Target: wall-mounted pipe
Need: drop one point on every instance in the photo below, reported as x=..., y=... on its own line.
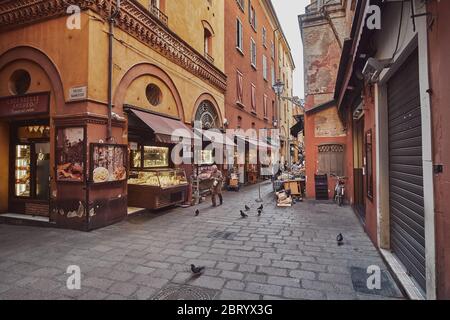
x=112, y=19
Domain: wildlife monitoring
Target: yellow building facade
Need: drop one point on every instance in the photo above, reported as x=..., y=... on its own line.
x=286, y=69
x=167, y=60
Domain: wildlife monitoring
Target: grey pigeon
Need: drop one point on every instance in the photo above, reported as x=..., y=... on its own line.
x=259, y=213
x=197, y=270
x=247, y=208
x=261, y=208
x=197, y=212
x=340, y=239
x=243, y=215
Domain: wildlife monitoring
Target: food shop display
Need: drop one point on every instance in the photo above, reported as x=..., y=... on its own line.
x=155, y=157
x=108, y=163
x=143, y=178
x=22, y=171
x=70, y=154
x=159, y=178
x=156, y=188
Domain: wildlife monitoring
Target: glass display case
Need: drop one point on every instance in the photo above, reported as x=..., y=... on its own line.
x=155, y=157
x=164, y=178
x=135, y=156
x=157, y=188
x=22, y=171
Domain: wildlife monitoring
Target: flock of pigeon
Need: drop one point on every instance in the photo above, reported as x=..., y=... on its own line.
x=247, y=208
x=199, y=270
x=243, y=214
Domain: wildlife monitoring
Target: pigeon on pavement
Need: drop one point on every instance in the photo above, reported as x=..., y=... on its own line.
x=243, y=215
x=197, y=212
x=197, y=270
x=340, y=239
x=247, y=208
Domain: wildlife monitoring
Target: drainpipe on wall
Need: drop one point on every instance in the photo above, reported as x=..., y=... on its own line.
x=275, y=44
x=112, y=18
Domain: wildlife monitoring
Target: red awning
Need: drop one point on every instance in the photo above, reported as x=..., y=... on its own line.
x=164, y=128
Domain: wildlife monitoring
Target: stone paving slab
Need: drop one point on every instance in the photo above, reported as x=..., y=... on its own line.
x=287, y=253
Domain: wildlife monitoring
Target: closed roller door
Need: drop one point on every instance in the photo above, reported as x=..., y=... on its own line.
x=405, y=170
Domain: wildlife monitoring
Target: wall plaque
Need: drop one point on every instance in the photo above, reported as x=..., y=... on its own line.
x=29, y=104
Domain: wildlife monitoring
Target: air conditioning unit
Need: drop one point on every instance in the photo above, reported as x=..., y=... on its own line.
x=374, y=67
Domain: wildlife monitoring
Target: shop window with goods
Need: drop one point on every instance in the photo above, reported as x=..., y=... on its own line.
x=154, y=182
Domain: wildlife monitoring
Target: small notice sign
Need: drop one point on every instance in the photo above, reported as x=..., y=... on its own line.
x=78, y=93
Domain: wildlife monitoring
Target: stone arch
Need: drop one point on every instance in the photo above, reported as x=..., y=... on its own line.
x=37, y=56
x=142, y=69
x=213, y=102
x=208, y=27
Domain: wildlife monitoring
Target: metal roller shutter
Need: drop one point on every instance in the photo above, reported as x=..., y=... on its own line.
x=405, y=170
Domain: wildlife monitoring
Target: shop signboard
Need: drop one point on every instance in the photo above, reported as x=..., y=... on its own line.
x=25, y=105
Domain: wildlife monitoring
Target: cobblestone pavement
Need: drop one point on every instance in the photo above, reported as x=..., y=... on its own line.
x=287, y=253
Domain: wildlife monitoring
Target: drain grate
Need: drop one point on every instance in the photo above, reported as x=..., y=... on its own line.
x=222, y=235
x=388, y=286
x=184, y=292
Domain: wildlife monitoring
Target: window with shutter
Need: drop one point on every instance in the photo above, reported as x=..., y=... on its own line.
x=253, y=98
x=265, y=106
x=253, y=53
x=331, y=159
x=239, y=36
x=252, y=15
x=264, y=67
x=240, y=88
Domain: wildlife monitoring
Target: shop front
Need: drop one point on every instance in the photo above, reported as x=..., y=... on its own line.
x=155, y=182
x=28, y=156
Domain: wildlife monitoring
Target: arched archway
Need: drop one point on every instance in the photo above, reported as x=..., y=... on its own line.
x=207, y=111
x=143, y=69
x=37, y=56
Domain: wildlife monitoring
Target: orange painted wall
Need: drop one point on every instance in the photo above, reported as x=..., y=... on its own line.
x=311, y=149
x=439, y=48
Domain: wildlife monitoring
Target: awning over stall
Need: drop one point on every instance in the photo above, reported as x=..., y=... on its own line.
x=215, y=136
x=298, y=127
x=164, y=127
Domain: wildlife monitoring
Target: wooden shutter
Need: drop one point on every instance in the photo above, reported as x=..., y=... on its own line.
x=265, y=105
x=253, y=98
x=240, y=87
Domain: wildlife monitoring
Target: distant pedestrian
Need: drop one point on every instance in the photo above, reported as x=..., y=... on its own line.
x=216, y=188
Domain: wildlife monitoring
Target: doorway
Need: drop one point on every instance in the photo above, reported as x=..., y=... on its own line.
x=30, y=169
x=358, y=170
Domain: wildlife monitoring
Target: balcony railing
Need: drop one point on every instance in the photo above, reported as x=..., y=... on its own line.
x=159, y=15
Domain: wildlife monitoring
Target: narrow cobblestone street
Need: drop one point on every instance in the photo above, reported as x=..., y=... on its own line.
x=287, y=253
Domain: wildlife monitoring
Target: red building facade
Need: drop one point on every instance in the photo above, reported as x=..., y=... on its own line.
x=250, y=63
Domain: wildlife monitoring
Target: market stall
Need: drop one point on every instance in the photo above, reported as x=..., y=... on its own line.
x=154, y=180
x=211, y=141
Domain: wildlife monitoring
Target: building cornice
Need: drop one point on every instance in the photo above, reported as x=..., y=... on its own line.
x=133, y=19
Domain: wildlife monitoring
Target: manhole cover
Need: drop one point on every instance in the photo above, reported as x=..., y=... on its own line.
x=184, y=292
x=222, y=235
x=388, y=287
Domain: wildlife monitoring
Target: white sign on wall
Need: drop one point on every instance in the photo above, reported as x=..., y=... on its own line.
x=78, y=93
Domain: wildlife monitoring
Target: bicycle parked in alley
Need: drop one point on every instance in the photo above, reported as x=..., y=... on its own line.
x=339, y=189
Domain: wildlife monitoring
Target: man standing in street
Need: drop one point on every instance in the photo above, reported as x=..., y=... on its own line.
x=216, y=188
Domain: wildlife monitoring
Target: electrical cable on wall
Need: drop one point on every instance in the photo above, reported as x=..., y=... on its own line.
x=399, y=30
